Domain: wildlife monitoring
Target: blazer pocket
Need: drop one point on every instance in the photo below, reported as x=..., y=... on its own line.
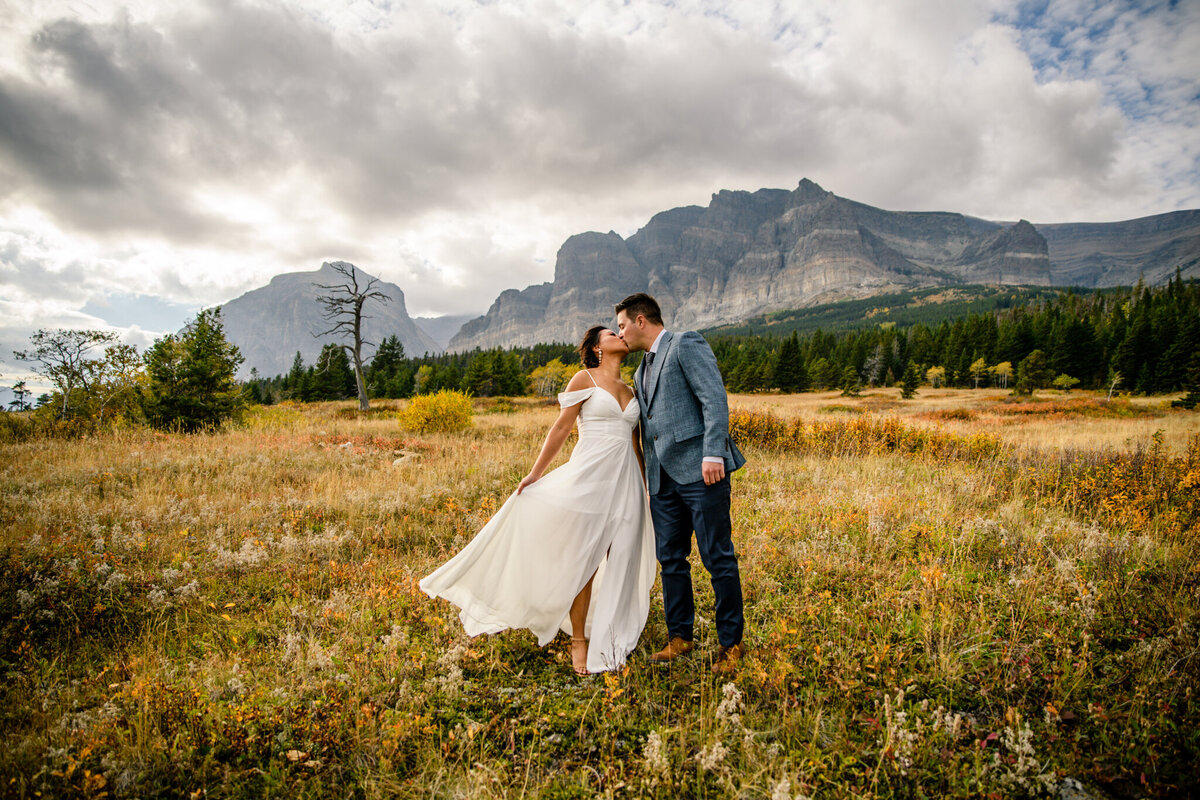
x=689, y=432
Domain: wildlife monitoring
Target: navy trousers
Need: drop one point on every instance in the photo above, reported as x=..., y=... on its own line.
x=677, y=511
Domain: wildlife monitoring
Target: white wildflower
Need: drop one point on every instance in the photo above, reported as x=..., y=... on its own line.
x=395, y=640
x=654, y=755
x=293, y=647
x=896, y=736
x=26, y=599
x=875, y=523
x=947, y=721
x=188, y=590
x=114, y=582
x=1024, y=771
x=338, y=603
x=158, y=597
x=250, y=555
x=318, y=658
x=452, y=681
x=710, y=758
x=730, y=707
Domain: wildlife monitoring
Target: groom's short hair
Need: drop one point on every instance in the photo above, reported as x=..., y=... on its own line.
x=641, y=303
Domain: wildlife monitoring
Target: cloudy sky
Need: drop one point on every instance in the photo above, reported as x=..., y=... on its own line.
x=156, y=157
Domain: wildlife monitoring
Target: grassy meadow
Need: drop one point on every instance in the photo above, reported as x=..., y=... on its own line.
x=951, y=596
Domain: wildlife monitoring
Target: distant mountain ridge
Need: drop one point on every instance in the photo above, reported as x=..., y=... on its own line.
x=442, y=329
x=272, y=323
x=748, y=254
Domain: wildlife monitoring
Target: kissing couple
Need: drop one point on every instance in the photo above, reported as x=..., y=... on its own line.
x=573, y=549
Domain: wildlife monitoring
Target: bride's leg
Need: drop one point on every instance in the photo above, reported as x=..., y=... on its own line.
x=578, y=617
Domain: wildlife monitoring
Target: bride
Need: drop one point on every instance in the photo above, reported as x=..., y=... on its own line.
x=572, y=550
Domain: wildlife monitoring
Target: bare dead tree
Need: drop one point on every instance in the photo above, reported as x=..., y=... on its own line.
x=343, y=308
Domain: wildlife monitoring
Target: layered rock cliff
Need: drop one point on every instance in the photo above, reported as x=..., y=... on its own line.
x=752, y=253
x=748, y=254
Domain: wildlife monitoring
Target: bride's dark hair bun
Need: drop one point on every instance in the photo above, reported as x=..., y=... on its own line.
x=587, y=348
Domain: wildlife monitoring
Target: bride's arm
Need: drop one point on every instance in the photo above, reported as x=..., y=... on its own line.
x=558, y=434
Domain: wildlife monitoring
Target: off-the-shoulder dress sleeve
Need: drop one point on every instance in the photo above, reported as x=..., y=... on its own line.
x=568, y=399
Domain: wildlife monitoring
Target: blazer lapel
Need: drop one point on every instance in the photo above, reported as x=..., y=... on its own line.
x=660, y=361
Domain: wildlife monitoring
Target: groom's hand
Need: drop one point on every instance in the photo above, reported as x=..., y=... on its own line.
x=712, y=472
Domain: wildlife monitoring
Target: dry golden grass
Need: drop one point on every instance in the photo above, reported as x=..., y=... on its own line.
x=1045, y=430
x=236, y=615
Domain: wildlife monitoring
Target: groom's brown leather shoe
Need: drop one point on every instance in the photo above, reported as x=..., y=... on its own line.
x=728, y=659
x=675, y=648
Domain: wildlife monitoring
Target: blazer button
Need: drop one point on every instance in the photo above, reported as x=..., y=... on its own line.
x=649, y=415
x=656, y=437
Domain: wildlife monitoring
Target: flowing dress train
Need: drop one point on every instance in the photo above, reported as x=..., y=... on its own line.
x=591, y=515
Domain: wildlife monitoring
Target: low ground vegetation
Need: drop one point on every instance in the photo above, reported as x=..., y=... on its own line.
x=947, y=596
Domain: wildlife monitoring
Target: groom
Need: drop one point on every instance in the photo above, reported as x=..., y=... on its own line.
x=689, y=455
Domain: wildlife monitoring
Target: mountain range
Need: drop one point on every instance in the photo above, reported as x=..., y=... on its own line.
x=752, y=253
x=744, y=255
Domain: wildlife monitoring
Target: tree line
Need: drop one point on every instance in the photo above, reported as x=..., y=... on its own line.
x=1139, y=340
x=392, y=374
x=1142, y=339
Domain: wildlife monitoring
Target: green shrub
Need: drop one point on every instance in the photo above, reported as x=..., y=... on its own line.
x=443, y=412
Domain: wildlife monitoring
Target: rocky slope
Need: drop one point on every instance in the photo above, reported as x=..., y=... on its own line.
x=272, y=323
x=747, y=254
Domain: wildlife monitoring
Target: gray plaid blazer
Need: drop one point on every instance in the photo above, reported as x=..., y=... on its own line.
x=685, y=414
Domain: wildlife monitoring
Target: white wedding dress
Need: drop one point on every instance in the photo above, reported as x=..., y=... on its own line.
x=527, y=564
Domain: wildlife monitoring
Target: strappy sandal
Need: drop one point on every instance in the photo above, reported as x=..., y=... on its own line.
x=581, y=672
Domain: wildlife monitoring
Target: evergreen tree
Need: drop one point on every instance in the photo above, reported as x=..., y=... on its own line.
x=851, y=387
x=910, y=381
x=824, y=375
x=479, y=380
x=507, y=369
x=293, y=382
x=385, y=368
x=332, y=377
x=1033, y=373
x=191, y=382
x=789, y=375
x=1192, y=384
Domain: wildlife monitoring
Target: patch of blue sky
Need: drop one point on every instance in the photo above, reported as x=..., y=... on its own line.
x=1090, y=43
x=147, y=312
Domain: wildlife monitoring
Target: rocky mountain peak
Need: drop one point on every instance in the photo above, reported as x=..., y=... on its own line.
x=808, y=192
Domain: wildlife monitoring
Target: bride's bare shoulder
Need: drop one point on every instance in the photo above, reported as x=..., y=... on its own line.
x=579, y=380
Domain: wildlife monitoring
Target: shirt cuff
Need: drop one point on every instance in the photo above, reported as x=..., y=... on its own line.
x=714, y=460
